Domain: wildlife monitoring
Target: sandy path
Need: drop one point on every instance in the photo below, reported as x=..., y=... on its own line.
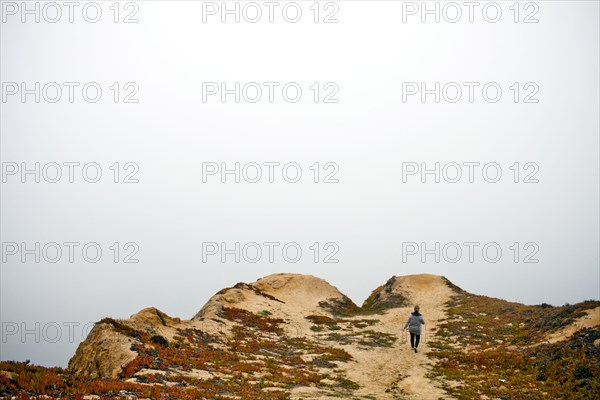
x=397, y=372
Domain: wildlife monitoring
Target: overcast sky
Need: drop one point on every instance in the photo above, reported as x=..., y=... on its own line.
x=532, y=115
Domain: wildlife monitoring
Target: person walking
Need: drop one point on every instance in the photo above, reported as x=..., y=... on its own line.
x=415, y=320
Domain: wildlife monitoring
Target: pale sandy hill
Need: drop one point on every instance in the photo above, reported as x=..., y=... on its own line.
x=390, y=371
x=383, y=372
x=281, y=290
x=289, y=296
x=298, y=289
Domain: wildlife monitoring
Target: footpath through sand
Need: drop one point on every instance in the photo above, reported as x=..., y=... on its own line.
x=397, y=372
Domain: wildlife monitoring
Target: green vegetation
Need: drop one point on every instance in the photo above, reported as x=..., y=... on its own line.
x=377, y=303
x=381, y=299
x=341, y=307
x=496, y=348
x=384, y=298
x=350, y=331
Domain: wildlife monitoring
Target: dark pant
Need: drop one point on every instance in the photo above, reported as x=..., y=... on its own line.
x=414, y=340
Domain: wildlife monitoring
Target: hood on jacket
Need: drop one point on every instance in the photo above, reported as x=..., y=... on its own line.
x=416, y=314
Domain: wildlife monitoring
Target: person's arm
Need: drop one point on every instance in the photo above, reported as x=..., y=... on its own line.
x=406, y=325
x=422, y=321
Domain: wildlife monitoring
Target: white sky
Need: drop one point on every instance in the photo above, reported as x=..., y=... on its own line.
x=368, y=134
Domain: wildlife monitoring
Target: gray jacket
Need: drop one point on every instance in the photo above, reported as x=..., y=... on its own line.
x=415, y=320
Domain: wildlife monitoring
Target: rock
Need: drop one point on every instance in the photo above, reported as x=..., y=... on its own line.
x=103, y=353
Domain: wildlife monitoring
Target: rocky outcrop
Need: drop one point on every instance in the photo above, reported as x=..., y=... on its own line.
x=108, y=348
x=103, y=353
